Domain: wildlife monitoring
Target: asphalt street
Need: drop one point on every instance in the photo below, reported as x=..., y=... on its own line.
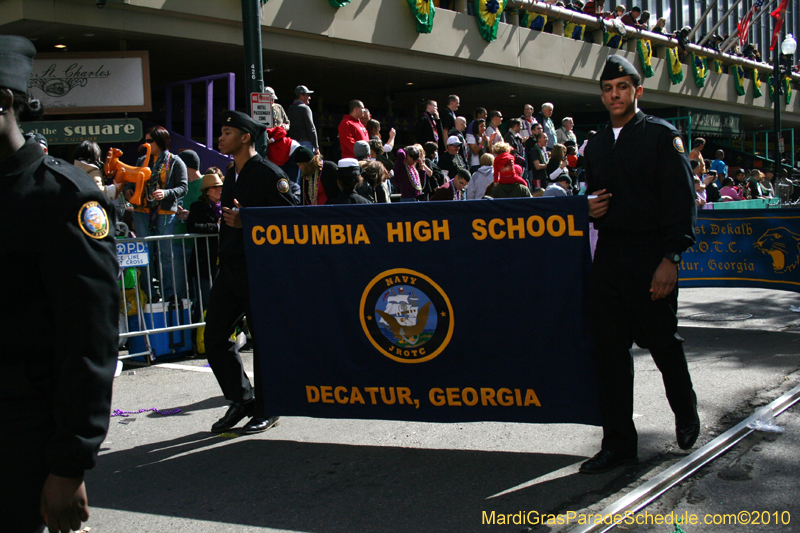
x=168, y=473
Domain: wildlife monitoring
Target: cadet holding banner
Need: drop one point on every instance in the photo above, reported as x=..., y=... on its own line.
x=643, y=207
x=252, y=182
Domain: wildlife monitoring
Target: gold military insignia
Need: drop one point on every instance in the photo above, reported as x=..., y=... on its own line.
x=678, y=144
x=93, y=220
x=620, y=68
x=229, y=119
x=283, y=185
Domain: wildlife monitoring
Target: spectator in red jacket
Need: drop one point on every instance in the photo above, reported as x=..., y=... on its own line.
x=351, y=129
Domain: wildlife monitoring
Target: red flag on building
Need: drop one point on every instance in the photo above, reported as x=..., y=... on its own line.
x=779, y=14
x=744, y=24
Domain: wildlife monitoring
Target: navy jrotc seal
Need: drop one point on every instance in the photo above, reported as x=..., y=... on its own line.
x=406, y=316
x=59, y=267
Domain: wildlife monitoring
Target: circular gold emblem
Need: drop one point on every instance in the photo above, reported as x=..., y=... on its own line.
x=283, y=185
x=93, y=220
x=406, y=316
x=678, y=144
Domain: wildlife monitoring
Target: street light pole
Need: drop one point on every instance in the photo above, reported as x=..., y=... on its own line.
x=787, y=47
x=254, y=70
x=777, y=103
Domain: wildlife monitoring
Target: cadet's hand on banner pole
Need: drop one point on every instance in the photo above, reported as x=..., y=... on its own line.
x=599, y=204
x=232, y=216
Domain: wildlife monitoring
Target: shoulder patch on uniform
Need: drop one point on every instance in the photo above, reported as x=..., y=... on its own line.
x=678, y=144
x=283, y=185
x=93, y=220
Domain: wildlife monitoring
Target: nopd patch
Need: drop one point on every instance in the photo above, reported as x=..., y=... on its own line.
x=93, y=220
x=283, y=185
x=678, y=144
x=406, y=316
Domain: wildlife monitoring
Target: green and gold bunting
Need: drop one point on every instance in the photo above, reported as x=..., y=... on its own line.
x=338, y=3
x=787, y=89
x=757, y=93
x=738, y=79
x=574, y=30
x=674, y=66
x=488, y=14
x=645, y=52
x=700, y=70
x=717, y=66
x=533, y=21
x=771, y=85
x=423, y=11
x=612, y=39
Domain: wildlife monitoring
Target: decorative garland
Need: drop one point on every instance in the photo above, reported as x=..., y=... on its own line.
x=757, y=93
x=536, y=23
x=674, y=66
x=574, y=30
x=787, y=89
x=338, y=3
x=612, y=39
x=700, y=70
x=645, y=52
x=488, y=14
x=771, y=85
x=164, y=412
x=738, y=79
x=423, y=11
x=717, y=66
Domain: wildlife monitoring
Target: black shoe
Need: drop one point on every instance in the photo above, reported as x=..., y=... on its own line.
x=236, y=412
x=686, y=434
x=606, y=460
x=258, y=424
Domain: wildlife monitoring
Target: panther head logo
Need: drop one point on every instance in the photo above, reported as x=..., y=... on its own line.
x=784, y=248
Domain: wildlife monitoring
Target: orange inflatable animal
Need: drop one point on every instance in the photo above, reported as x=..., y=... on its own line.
x=126, y=173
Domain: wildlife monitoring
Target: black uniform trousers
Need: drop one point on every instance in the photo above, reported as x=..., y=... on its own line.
x=623, y=312
x=228, y=302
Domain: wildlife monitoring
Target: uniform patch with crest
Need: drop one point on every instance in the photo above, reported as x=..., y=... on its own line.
x=678, y=144
x=93, y=220
x=283, y=185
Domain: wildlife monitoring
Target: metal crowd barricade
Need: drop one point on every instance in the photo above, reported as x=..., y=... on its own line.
x=182, y=312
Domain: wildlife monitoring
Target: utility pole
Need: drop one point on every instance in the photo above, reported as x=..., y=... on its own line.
x=254, y=65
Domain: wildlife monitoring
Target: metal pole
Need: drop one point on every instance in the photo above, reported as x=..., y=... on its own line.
x=254, y=69
x=699, y=23
x=777, y=104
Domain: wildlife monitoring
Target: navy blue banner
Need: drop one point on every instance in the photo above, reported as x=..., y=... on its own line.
x=445, y=311
x=748, y=248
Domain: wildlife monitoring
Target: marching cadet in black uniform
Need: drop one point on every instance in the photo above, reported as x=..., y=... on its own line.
x=252, y=182
x=60, y=269
x=644, y=210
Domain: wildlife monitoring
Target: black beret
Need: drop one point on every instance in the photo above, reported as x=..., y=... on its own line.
x=617, y=67
x=16, y=62
x=190, y=158
x=237, y=119
x=303, y=155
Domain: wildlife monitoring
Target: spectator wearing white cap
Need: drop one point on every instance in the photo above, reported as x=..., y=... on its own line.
x=304, y=131
x=451, y=161
x=348, y=178
x=279, y=117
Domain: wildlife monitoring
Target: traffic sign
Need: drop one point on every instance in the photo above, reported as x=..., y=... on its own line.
x=261, y=108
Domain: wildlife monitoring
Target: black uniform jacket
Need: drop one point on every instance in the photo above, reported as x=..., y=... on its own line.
x=647, y=172
x=60, y=301
x=260, y=184
x=203, y=219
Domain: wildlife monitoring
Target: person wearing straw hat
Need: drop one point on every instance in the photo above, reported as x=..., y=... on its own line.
x=205, y=216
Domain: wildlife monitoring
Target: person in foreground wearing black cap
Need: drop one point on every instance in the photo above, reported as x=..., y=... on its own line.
x=252, y=182
x=642, y=203
x=56, y=392
x=348, y=178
